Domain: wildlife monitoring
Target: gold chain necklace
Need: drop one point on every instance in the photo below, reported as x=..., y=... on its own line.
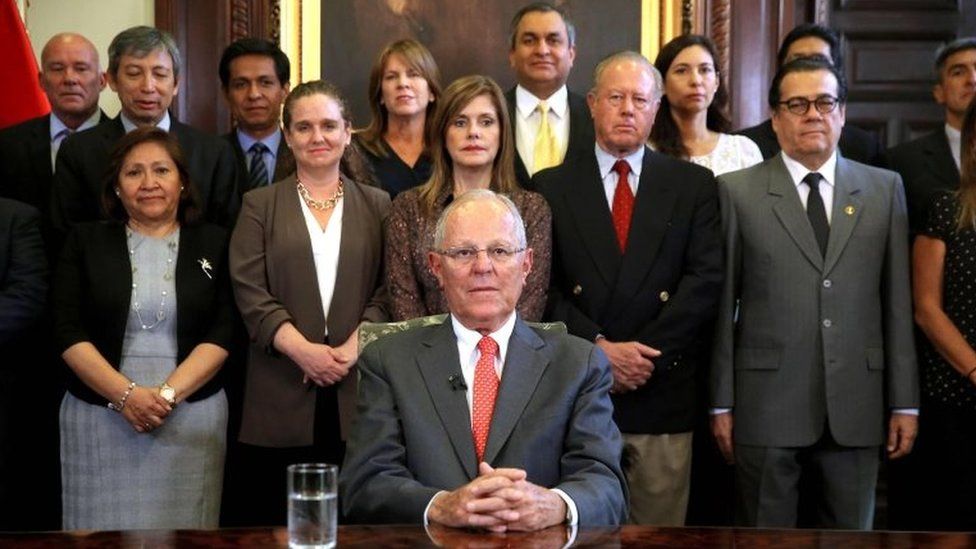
x=321, y=205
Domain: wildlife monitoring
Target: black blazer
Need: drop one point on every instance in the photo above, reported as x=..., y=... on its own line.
x=581, y=138
x=662, y=292
x=284, y=162
x=23, y=272
x=855, y=143
x=927, y=168
x=92, y=290
x=83, y=160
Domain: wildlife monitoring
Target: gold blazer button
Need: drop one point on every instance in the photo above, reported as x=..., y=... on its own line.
x=665, y=296
x=577, y=289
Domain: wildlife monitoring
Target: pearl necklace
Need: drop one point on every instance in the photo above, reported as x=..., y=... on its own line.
x=172, y=247
x=321, y=205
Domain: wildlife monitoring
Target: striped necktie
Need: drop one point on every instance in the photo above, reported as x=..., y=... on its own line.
x=258, y=171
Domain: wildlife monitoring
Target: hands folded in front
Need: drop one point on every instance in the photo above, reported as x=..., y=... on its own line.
x=499, y=500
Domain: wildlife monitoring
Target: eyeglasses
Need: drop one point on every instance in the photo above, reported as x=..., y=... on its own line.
x=466, y=255
x=616, y=99
x=825, y=104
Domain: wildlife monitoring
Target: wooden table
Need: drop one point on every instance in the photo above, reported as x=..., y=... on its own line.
x=414, y=536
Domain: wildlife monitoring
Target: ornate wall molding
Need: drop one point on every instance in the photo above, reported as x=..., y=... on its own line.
x=721, y=34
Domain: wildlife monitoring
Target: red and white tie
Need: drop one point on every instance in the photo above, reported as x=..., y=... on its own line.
x=485, y=391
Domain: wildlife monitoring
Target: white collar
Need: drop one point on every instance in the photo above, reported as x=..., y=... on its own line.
x=57, y=126
x=470, y=338
x=526, y=103
x=163, y=124
x=827, y=170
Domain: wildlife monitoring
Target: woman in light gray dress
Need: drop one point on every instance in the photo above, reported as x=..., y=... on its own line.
x=144, y=316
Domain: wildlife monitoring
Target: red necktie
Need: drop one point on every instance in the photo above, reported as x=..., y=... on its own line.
x=485, y=391
x=623, y=203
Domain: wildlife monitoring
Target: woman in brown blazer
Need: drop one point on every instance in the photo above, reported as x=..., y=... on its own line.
x=306, y=264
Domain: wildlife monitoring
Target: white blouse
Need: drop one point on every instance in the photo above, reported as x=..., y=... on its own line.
x=732, y=152
x=325, y=251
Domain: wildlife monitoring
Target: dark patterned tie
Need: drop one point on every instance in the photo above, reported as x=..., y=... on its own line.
x=258, y=172
x=623, y=204
x=816, y=212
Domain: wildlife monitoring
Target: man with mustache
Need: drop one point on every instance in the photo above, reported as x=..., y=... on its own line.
x=637, y=269
x=254, y=75
x=813, y=355
x=551, y=123
x=144, y=70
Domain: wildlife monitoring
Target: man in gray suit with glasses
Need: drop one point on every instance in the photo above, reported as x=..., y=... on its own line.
x=814, y=337
x=483, y=421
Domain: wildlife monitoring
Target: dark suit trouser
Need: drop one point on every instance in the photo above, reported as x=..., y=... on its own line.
x=947, y=496
x=768, y=481
x=256, y=482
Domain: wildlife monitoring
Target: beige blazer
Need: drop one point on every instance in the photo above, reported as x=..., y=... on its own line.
x=274, y=282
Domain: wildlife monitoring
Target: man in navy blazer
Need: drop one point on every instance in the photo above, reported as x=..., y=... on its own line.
x=644, y=289
x=144, y=69
x=430, y=443
x=543, y=47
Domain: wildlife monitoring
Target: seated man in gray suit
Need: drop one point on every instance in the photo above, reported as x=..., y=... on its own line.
x=483, y=421
x=814, y=334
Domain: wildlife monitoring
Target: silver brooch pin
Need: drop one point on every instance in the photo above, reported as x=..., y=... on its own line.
x=206, y=266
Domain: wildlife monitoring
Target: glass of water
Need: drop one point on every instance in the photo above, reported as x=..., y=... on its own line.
x=312, y=509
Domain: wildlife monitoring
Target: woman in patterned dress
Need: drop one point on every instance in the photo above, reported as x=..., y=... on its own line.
x=472, y=148
x=944, y=290
x=144, y=317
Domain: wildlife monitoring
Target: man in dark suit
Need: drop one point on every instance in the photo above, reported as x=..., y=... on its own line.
x=144, y=69
x=71, y=79
x=483, y=421
x=930, y=164
x=23, y=292
x=809, y=40
x=254, y=75
x=813, y=343
x=637, y=268
x=543, y=47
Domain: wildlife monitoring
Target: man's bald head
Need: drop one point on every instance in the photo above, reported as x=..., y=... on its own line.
x=71, y=77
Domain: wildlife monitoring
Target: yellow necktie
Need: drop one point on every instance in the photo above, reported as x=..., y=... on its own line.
x=546, y=154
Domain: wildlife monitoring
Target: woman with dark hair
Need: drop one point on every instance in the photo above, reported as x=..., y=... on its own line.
x=403, y=87
x=472, y=148
x=306, y=263
x=944, y=257
x=691, y=123
x=144, y=318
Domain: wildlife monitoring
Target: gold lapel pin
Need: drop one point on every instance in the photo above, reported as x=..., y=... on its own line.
x=849, y=210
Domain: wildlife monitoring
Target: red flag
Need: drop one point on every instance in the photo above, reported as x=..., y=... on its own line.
x=21, y=95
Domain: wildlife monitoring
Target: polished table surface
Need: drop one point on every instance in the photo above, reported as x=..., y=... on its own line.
x=415, y=536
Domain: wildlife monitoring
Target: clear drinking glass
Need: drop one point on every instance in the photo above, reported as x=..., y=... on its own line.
x=312, y=505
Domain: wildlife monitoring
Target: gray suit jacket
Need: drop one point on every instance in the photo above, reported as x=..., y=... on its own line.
x=553, y=418
x=274, y=282
x=803, y=339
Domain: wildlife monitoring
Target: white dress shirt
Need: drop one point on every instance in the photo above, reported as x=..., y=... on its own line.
x=325, y=253
x=528, y=119
x=828, y=175
x=605, y=162
x=955, y=143
x=468, y=354
x=129, y=125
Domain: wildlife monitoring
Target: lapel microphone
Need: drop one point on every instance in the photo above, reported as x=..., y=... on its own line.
x=457, y=382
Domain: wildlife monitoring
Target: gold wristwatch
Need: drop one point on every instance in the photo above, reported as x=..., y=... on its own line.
x=168, y=393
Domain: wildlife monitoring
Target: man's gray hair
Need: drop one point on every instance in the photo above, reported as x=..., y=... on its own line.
x=628, y=55
x=479, y=195
x=139, y=42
